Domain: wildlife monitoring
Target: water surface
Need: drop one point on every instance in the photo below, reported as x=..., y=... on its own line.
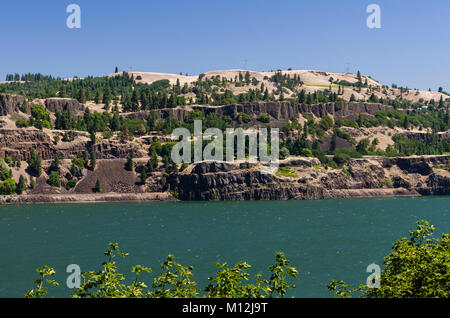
x=325, y=239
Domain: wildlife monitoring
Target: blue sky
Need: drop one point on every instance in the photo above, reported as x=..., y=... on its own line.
x=411, y=49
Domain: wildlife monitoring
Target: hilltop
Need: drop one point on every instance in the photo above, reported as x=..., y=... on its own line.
x=309, y=80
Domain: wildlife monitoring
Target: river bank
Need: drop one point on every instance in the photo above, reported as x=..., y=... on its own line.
x=299, y=178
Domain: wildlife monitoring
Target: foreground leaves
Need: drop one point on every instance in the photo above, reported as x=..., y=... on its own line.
x=175, y=281
x=417, y=267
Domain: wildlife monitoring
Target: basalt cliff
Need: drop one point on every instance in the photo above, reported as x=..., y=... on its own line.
x=298, y=177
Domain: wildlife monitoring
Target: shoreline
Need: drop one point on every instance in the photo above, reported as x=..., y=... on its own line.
x=87, y=198
x=168, y=197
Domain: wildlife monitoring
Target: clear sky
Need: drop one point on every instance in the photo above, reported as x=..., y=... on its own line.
x=412, y=48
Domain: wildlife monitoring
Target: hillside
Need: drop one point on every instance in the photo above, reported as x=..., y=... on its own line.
x=109, y=138
x=312, y=81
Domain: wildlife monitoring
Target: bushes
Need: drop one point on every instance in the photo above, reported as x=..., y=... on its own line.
x=71, y=184
x=244, y=118
x=40, y=117
x=430, y=146
x=264, y=118
x=9, y=186
x=175, y=280
x=22, y=123
x=417, y=267
x=54, y=179
x=341, y=158
x=326, y=123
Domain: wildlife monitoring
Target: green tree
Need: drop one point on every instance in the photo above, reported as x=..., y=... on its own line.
x=144, y=175
x=175, y=280
x=54, y=179
x=98, y=186
x=21, y=186
x=35, y=163
x=417, y=267
x=93, y=160
x=129, y=165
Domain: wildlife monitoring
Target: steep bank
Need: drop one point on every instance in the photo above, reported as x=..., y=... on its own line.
x=278, y=111
x=206, y=181
x=368, y=177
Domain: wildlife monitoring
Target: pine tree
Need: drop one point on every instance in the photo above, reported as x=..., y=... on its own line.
x=302, y=97
x=93, y=160
x=116, y=70
x=144, y=175
x=130, y=164
x=333, y=143
x=56, y=162
x=152, y=163
x=21, y=186
x=115, y=122
x=35, y=163
x=98, y=186
x=406, y=122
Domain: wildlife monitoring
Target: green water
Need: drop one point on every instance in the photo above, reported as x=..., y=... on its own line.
x=325, y=240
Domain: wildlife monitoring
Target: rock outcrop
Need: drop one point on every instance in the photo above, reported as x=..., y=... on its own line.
x=10, y=104
x=368, y=177
x=279, y=111
x=17, y=143
x=62, y=104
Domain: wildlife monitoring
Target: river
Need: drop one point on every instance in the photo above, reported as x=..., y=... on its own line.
x=324, y=239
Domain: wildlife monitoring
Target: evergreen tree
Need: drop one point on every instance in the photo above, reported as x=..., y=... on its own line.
x=21, y=186
x=98, y=186
x=115, y=122
x=152, y=163
x=35, y=163
x=93, y=160
x=56, y=162
x=130, y=164
x=144, y=175
x=333, y=143
x=441, y=102
x=405, y=122
x=302, y=96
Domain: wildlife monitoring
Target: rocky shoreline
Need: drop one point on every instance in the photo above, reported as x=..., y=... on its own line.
x=222, y=181
x=86, y=198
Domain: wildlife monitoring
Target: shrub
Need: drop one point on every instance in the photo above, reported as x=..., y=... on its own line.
x=264, y=118
x=417, y=267
x=175, y=280
x=22, y=123
x=341, y=158
x=243, y=117
x=8, y=186
x=71, y=184
x=54, y=179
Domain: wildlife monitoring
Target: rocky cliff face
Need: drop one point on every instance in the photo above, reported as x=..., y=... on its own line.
x=61, y=104
x=277, y=110
x=17, y=143
x=364, y=177
x=10, y=104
